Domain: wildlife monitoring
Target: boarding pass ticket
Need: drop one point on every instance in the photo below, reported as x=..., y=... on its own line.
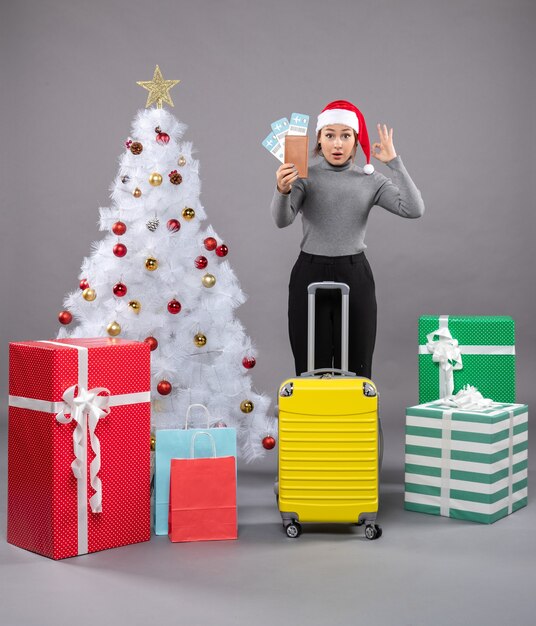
x=280, y=130
x=298, y=124
x=273, y=146
x=275, y=141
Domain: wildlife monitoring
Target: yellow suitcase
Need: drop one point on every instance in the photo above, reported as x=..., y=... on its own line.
x=329, y=440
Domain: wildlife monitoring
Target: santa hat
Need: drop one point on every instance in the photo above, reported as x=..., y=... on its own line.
x=344, y=112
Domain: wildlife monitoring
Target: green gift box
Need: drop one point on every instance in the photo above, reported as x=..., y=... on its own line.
x=466, y=350
x=466, y=464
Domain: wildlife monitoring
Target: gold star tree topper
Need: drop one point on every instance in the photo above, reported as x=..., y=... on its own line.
x=158, y=89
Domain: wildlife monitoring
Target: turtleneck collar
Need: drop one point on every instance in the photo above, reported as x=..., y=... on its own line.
x=335, y=168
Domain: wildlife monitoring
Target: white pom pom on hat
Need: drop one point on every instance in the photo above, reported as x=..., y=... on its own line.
x=344, y=112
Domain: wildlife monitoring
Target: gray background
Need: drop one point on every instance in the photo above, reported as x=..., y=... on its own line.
x=455, y=80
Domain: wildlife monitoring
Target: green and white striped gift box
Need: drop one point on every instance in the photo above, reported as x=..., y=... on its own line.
x=469, y=465
x=487, y=348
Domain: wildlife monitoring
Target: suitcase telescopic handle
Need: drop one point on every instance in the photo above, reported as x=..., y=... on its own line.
x=345, y=307
x=329, y=370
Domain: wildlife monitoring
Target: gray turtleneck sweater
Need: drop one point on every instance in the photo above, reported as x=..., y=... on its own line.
x=335, y=202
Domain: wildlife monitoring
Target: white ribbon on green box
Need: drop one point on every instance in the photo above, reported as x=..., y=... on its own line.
x=466, y=457
x=510, y=464
x=85, y=407
x=446, y=440
x=467, y=399
x=446, y=461
x=446, y=351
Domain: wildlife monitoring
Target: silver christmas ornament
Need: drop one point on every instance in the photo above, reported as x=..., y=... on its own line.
x=153, y=224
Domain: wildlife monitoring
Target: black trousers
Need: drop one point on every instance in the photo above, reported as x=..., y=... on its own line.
x=354, y=270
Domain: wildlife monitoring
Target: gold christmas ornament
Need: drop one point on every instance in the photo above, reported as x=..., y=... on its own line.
x=135, y=306
x=89, y=294
x=153, y=442
x=246, y=406
x=113, y=329
x=188, y=213
x=137, y=192
x=155, y=179
x=151, y=264
x=158, y=89
x=208, y=280
x=200, y=340
x=182, y=161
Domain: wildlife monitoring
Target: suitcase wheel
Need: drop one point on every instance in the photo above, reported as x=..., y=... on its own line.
x=293, y=530
x=373, y=531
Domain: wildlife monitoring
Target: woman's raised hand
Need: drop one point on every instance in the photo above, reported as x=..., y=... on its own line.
x=384, y=150
x=286, y=175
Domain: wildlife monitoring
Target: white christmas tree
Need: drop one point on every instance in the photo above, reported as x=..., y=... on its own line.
x=159, y=276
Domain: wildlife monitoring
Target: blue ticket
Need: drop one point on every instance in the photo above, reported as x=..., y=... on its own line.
x=280, y=129
x=298, y=124
x=274, y=147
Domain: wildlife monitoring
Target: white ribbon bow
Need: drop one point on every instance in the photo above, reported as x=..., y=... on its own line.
x=87, y=404
x=446, y=352
x=469, y=399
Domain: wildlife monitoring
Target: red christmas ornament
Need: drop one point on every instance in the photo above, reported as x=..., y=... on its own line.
x=174, y=306
x=222, y=250
x=201, y=262
x=119, y=228
x=153, y=343
x=161, y=138
x=249, y=362
x=120, y=290
x=84, y=284
x=164, y=388
x=268, y=443
x=65, y=317
x=120, y=249
x=174, y=225
x=210, y=243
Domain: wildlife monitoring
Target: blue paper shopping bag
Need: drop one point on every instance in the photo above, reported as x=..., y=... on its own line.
x=175, y=444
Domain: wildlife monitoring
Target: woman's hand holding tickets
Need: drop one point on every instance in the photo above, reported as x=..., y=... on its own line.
x=286, y=175
x=384, y=150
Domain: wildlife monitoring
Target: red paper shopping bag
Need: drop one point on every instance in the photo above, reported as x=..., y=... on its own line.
x=202, y=497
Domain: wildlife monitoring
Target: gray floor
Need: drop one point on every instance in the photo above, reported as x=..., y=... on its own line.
x=424, y=570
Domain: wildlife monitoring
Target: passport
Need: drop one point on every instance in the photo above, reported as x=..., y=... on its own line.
x=296, y=151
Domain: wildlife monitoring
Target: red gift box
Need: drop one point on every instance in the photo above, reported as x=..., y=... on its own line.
x=78, y=445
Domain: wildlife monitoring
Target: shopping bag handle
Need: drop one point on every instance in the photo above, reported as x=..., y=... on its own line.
x=212, y=443
x=202, y=406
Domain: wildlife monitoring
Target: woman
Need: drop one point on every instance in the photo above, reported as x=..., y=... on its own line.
x=335, y=201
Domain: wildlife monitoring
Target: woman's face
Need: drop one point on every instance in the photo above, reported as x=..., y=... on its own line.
x=337, y=143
